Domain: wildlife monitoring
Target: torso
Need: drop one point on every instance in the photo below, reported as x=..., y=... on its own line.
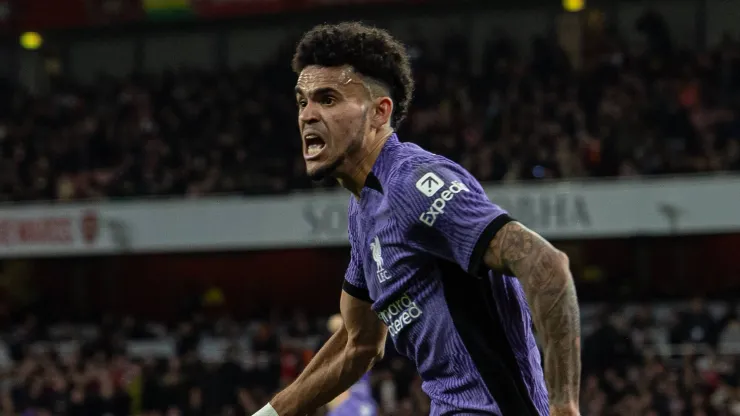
x=442, y=318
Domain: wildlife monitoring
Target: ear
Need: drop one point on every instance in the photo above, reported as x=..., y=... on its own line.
x=382, y=113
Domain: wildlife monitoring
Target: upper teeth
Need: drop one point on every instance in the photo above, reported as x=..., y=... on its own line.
x=314, y=147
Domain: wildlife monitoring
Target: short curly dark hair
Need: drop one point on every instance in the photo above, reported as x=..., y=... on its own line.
x=370, y=51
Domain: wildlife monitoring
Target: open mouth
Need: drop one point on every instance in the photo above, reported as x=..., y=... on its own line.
x=314, y=145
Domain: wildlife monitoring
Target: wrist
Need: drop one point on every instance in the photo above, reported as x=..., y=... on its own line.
x=268, y=410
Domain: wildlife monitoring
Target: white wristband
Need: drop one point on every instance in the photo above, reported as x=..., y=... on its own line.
x=266, y=411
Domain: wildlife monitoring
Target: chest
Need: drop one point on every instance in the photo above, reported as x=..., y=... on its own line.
x=389, y=260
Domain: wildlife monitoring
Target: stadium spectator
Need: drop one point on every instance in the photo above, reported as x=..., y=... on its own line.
x=193, y=133
x=236, y=372
x=695, y=326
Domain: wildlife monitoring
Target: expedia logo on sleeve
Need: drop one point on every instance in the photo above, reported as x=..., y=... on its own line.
x=438, y=205
x=400, y=313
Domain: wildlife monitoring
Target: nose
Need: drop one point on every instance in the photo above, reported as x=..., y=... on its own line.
x=309, y=114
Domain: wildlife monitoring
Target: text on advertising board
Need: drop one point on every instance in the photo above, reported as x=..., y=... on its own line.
x=49, y=230
x=558, y=210
x=547, y=211
x=326, y=220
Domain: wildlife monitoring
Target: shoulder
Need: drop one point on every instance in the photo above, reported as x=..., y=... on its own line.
x=352, y=213
x=421, y=174
x=352, y=207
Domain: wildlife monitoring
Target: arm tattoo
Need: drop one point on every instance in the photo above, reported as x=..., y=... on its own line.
x=548, y=285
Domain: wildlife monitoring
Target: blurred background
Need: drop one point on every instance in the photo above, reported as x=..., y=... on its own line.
x=162, y=253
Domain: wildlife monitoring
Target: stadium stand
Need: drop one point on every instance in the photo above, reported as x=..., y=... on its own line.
x=190, y=132
x=671, y=358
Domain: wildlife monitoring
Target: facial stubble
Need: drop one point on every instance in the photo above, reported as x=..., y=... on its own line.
x=354, y=146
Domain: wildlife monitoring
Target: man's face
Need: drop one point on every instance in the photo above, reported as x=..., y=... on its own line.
x=333, y=107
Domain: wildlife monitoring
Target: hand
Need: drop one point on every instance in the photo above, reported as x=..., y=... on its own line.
x=564, y=410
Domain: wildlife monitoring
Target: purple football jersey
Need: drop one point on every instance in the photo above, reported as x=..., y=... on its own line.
x=360, y=401
x=418, y=234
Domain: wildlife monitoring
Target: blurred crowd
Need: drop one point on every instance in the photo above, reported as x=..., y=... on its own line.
x=638, y=360
x=199, y=366
x=524, y=113
x=663, y=361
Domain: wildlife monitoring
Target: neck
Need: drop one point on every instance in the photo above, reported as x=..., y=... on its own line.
x=362, y=165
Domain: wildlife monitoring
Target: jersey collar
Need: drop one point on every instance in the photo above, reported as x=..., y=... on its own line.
x=381, y=168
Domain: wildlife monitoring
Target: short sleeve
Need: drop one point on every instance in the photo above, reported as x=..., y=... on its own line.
x=354, y=277
x=444, y=211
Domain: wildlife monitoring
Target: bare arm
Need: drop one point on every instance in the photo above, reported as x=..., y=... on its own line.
x=544, y=273
x=348, y=354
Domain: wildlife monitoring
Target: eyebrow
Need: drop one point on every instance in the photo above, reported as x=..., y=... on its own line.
x=319, y=91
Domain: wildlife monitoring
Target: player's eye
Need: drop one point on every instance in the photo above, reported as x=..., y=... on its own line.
x=328, y=100
x=301, y=103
